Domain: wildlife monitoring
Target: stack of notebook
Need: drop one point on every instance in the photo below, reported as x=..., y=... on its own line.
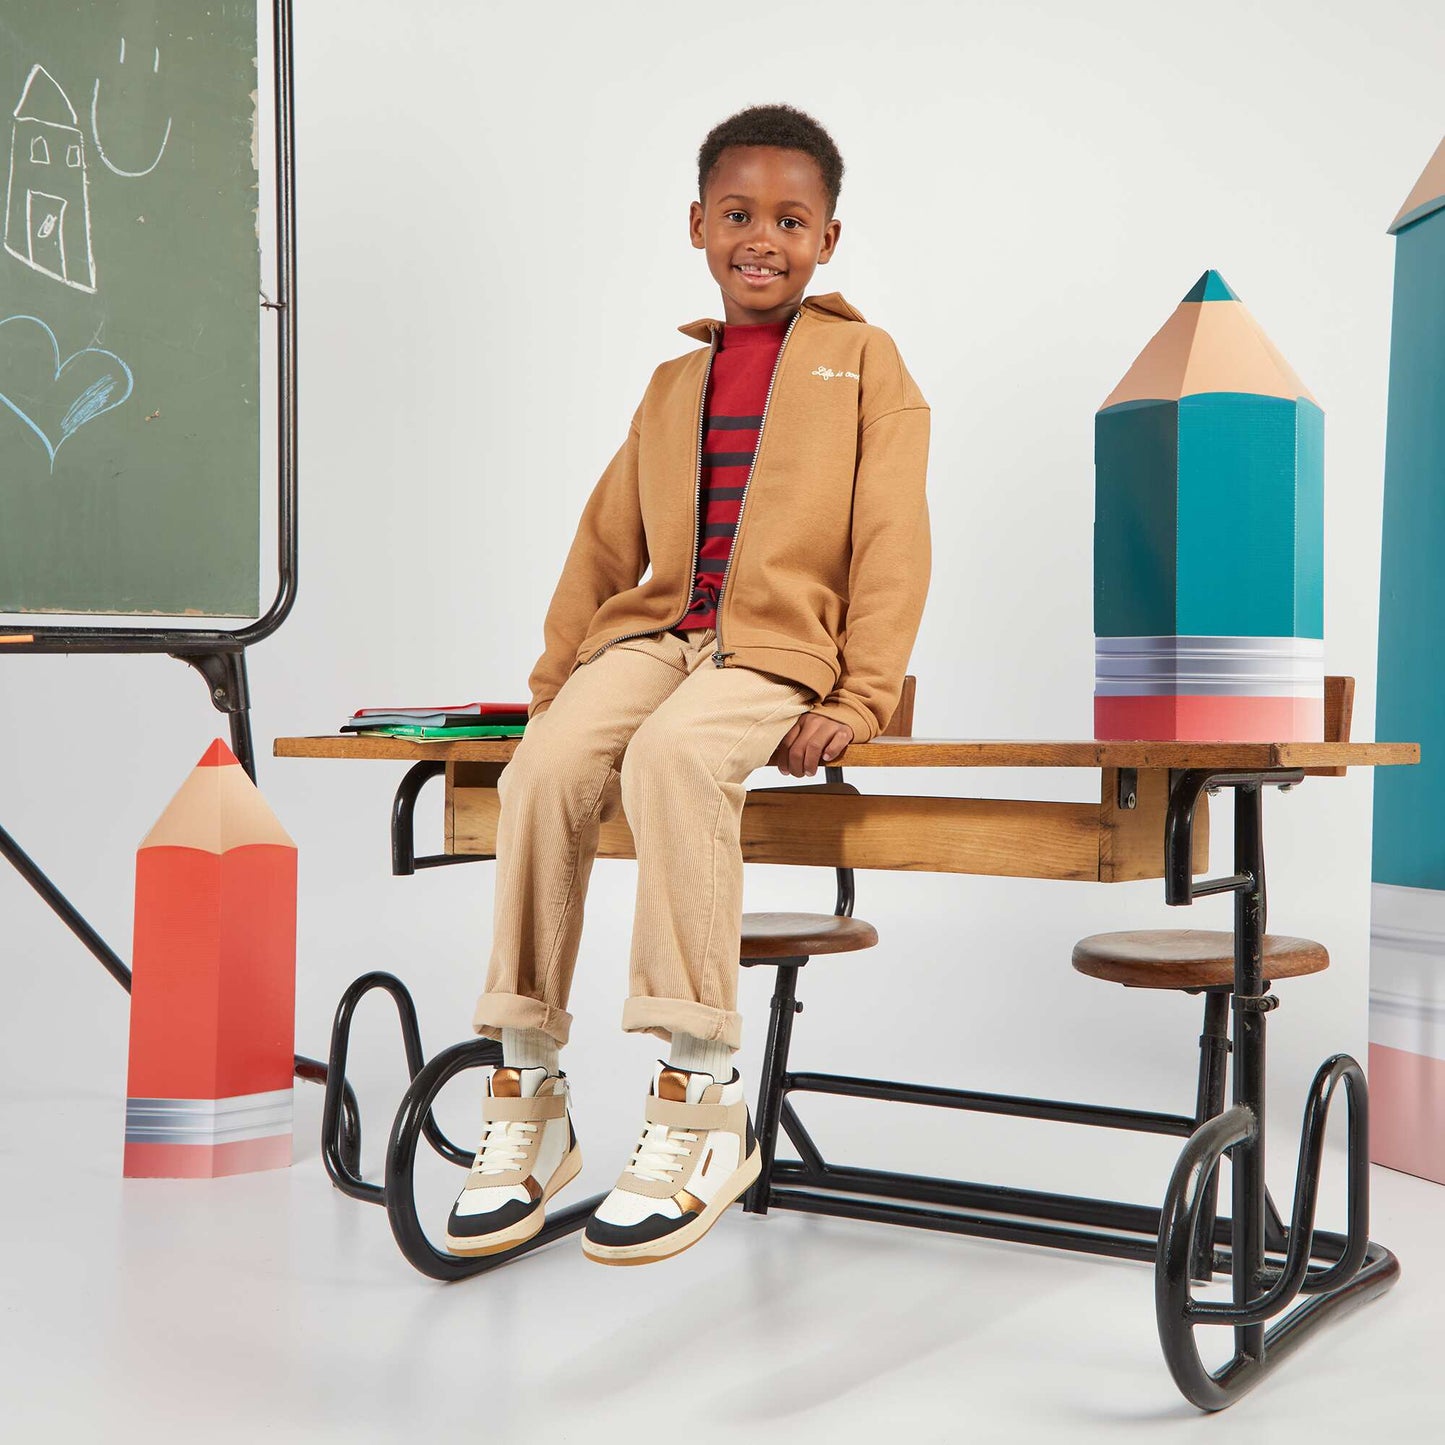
x=466, y=720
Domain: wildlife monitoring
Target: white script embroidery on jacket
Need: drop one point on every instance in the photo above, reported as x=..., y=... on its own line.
x=828, y=374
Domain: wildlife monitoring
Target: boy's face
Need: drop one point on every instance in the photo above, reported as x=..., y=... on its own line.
x=763, y=221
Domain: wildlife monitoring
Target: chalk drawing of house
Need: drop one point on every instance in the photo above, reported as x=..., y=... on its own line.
x=47, y=198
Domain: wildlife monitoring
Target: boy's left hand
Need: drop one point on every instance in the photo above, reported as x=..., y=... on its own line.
x=811, y=739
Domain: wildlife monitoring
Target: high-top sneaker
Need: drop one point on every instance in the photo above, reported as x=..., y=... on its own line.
x=528, y=1152
x=696, y=1156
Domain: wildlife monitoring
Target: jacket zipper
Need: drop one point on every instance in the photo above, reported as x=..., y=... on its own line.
x=696, y=516
x=719, y=654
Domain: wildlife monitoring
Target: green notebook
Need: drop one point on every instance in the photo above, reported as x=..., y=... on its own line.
x=409, y=730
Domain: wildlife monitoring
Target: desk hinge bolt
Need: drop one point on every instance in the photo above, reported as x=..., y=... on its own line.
x=1259, y=1003
x=1128, y=789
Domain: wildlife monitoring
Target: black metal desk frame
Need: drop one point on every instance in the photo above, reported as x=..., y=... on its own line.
x=1270, y=1263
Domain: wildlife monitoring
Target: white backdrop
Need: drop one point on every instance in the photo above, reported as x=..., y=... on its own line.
x=493, y=206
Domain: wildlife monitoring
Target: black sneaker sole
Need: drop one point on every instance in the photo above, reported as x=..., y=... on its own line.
x=469, y=1246
x=652, y=1250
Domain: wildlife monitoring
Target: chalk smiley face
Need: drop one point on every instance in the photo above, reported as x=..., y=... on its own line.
x=55, y=398
x=137, y=100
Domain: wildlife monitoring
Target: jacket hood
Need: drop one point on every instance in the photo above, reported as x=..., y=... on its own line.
x=831, y=303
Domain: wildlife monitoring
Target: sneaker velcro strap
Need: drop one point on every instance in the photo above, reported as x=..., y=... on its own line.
x=676, y=1115
x=544, y=1106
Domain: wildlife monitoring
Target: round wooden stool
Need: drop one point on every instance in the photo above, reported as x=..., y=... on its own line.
x=1192, y=959
x=786, y=941
x=1197, y=960
x=770, y=937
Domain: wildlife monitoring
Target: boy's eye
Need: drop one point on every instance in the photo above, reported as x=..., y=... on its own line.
x=791, y=223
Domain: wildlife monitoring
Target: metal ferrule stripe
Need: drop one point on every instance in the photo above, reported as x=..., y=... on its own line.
x=208, y=1121
x=1193, y=685
x=1209, y=666
x=1184, y=645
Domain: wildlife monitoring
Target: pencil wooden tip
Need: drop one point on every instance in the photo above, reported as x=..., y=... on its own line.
x=1427, y=196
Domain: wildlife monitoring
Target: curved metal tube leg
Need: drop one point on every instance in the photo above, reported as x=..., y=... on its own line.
x=1359, y=1271
x=347, y=1131
x=404, y=860
x=341, y=1115
x=400, y=1193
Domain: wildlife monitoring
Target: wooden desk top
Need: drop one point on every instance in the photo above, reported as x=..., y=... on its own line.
x=888, y=752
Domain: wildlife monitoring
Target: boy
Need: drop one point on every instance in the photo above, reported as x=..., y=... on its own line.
x=774, y=482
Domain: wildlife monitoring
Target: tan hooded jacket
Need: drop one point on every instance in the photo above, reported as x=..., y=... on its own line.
x=832, y=554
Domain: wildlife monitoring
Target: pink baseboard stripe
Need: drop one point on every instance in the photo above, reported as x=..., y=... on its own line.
x=1407, y=1112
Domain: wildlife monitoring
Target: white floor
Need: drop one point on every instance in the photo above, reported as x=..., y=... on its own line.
x=271, y=1307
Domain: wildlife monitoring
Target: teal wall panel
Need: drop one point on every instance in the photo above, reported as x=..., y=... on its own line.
x=1409, y=839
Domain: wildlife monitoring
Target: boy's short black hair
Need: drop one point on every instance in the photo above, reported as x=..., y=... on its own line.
x=774, y=125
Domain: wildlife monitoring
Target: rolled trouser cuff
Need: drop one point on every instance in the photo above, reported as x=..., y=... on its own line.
x=498, y=1011
x=662, y=1017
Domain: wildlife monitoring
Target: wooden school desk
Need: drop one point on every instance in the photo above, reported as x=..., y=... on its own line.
x=1146, y=824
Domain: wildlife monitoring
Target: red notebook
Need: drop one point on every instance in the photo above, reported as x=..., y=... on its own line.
x=474, y=709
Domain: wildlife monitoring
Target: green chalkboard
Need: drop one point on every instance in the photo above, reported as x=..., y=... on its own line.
x=129, y=317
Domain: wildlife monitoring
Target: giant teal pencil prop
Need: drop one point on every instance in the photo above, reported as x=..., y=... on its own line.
x=1407, y=946
x=1209, y=537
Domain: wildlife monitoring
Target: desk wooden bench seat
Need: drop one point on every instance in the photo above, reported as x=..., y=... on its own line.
x=1118, y=839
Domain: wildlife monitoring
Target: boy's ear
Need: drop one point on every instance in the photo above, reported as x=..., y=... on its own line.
x=694, y=225
x=831, y=232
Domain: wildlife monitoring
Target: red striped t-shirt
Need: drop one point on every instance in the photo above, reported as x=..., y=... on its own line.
x=737, y=390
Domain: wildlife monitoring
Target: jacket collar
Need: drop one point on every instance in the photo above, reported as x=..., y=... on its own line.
x=831, y=303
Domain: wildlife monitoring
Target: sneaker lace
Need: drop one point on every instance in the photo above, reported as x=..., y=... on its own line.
x=504, y=1146
x=660, y=1152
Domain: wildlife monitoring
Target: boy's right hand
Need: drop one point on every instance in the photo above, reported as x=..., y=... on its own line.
x=812, y=739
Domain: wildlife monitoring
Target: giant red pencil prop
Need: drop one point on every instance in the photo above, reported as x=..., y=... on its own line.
x=213, y=998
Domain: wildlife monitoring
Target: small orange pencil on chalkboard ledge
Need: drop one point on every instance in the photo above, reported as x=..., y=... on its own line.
x=461, y=720
x=213, y=996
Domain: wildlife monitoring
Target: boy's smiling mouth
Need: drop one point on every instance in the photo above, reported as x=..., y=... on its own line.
x=757, y=275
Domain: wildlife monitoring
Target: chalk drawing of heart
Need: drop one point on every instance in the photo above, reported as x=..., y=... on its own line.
x=55, y=398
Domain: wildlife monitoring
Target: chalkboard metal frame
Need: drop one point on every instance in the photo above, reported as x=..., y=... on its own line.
x=219, y=655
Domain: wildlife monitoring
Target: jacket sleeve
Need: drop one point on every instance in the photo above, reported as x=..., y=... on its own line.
x=608, y=555
x=888, y=573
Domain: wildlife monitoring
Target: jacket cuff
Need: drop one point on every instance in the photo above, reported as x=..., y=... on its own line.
x=864, y=724
x=538, y=708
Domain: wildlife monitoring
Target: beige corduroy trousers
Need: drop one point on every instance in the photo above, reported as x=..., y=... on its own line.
x=650, y=724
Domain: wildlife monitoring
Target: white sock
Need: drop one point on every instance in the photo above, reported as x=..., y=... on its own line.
x=529, y=1049
x=711, y=1056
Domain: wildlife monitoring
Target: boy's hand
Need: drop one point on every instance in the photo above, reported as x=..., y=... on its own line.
x=811, y=738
